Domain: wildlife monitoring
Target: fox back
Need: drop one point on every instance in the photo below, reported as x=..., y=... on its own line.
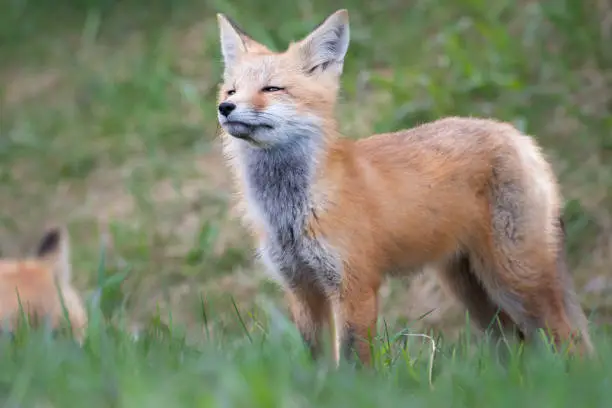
x=40, y=287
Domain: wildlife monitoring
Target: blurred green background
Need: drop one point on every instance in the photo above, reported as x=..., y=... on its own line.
x=108, y=123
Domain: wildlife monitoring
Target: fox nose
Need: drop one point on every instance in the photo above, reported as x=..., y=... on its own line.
x=226, y=108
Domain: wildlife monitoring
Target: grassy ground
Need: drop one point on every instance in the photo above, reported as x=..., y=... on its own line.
x=107, y=123
x=273, y=370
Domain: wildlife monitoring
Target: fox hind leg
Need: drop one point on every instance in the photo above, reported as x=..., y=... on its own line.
x=527, y=285
x=457, y=276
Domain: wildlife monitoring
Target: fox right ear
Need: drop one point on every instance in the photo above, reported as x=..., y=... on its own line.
x=324, y=49
x=54, y=248
x=234, y=41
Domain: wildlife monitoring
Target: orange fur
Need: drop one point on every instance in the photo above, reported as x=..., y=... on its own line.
x=474, y=197
x=32, y=285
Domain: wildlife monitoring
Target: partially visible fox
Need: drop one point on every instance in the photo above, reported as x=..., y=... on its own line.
x=34, y=285
x=473, y=197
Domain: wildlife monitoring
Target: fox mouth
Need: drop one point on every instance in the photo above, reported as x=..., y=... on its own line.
x=243, y=130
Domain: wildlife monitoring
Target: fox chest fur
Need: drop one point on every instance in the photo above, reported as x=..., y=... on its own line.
x=278, y=194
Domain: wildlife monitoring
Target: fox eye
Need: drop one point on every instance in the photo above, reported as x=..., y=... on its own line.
x=271, y=89
x=231, y=92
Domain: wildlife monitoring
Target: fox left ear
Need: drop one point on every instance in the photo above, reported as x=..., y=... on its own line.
x=54, y=247
x=325, y=47
x=235, y=42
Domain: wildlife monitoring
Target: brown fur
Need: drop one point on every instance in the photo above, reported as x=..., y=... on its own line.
x=474, y=197
x=32, y=285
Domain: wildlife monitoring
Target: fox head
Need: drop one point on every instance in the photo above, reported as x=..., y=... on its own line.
x=269, y=99
x=37, y=282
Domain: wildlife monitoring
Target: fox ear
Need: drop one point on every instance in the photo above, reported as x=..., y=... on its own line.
x=325, y=47
x=54, y=248
x=234, y=41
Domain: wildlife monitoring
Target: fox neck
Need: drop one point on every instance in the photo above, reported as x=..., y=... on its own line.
x=281, y=198
x=279, y=183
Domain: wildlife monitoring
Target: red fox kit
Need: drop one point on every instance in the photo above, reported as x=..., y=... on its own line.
x=33, y=285
x=473, y=197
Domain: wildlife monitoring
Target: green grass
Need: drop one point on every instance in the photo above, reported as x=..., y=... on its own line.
x=270, y=368
x=107, y=123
